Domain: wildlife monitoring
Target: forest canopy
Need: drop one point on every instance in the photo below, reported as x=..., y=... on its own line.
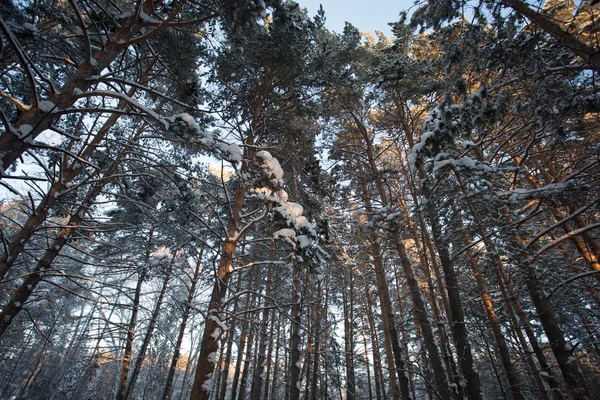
x=213, y=199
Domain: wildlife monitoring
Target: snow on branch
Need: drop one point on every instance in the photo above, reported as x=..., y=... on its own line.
x=184, y=127
x=447, y=132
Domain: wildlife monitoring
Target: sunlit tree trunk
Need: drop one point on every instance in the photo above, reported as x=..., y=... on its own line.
x=213, y=326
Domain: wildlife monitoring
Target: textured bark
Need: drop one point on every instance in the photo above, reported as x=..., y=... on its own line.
x=213, y=325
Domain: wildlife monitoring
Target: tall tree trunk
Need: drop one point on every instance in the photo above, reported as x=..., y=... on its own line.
x=246, y=366
x=146, y=342
x=276, y=368
x=317, y=344
x=127, y=353
x=576, y=384
x=459, y=329
x=295, y=339
x=515, y=386
x=213, y=326
x=186, y=314
x=347, y=303
x=442, y=386
x=367, y=364
x=377, y=365
x=230, y=339
x=257, y=375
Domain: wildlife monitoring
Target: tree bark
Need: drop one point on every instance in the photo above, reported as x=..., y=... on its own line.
x=213, y=326
x=146, y=342
x=347, y=300
x=576, y=384
x=295, y=339
x=127, y=353
x=257, y=375
x=186, y=314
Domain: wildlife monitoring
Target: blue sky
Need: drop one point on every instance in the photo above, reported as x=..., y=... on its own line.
x=366, y=15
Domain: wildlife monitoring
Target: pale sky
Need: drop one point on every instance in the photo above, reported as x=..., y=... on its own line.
x=366, y=15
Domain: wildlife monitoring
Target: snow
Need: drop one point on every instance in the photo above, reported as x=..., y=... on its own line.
x=218, y=321
x=200, y=135
x=24, y=130
x=212, y=357
x=524, y=194
x=235, y=152
x=216, y=333
x=271, y=168
x=208, y=383
x=417, y=148
x=289, y=235
x=304, y=241
x=29, y=27
x=46, y=106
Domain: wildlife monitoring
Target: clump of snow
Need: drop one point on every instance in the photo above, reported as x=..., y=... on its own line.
x=24, y=130
x=235, y=152
x=185, y=127
x=271, y=168
x=287, y=234
x=212, y=357
x=46, y=106
x=218, y=321
x=216, y=333
x=208, y=383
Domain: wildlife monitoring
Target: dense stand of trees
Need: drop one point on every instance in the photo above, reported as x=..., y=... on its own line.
x=226, y=200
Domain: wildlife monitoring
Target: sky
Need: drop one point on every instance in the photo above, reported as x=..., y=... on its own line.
x=366, y=15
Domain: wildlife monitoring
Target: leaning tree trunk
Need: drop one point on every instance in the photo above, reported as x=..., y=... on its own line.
x=576, y=384
x=441, y=379
x=213, y=326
